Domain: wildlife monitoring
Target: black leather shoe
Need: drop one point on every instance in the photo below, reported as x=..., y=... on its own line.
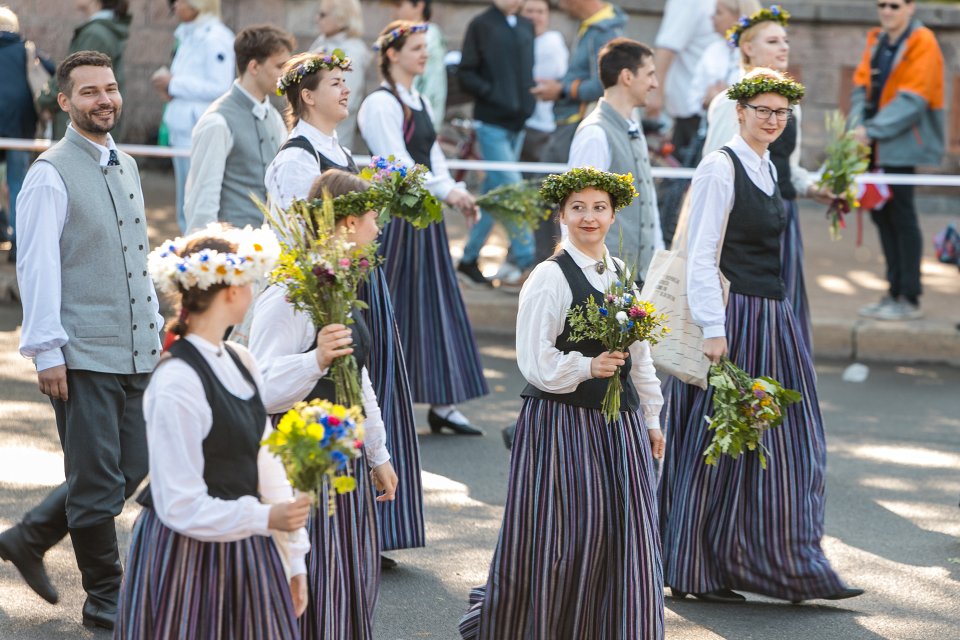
x=28, y=562
x=719, y=596
x=843, y=594
x=387, y=564
x=438, y=422
x=97, y=616
x=508, y=434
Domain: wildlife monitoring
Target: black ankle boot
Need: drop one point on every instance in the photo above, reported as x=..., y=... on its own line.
x=26, y=543
x=99, y=561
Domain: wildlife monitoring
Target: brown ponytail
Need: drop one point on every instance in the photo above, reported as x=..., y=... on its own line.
x=384, y=62
x=309, y=81
x=194, y=299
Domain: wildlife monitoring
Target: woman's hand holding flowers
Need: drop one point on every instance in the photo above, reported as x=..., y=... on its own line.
x=715, y=348
x=462, y=200
x=333, y=341
x=290, y=516
x=605, y=365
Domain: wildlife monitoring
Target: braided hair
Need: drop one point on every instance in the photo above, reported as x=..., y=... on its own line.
x=384, y=62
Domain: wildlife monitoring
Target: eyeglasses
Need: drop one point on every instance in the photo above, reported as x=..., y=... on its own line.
x=889, y=5
x=764, y=113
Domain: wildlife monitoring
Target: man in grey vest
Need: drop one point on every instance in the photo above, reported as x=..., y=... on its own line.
x=238, y=136
x=611, y=140
x=91, y=324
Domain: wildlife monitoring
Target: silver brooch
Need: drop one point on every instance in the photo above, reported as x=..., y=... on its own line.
x=601, y=267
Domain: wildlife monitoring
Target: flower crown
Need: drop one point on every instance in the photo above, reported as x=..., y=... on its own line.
x=383, y=42
x=755, y=85
x=774, y=14
x=355, y=203
x=619, y=187
x=336, y=59
x=257, y=251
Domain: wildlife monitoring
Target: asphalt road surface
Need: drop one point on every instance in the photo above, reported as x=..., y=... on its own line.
x=893, y=524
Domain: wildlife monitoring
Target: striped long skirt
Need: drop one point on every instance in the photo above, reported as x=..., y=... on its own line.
x=343, y=566
x=736, y=525
x=179, y=587
x=443, y=361
x=791, y=265
x=579, y=550
x=400, y=522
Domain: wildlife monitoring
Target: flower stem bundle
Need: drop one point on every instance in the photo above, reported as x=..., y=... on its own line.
x=316, y=442
x=846, y=159
x=744, y=408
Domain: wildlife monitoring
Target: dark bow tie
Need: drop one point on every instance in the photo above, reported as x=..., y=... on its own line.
x=633, y=132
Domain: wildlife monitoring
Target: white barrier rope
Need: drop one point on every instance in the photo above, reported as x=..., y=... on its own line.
x=153, y=151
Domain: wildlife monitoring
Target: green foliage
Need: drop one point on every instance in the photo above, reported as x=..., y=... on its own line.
x=743, y=408
x=315, y=442
x=617, y=322
x=399, y=192
x=846, y=159
x=518, y=203
x=556, y=187
x=753, y=86
x=336, y=59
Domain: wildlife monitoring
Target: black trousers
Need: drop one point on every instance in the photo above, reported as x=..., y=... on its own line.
x=105, y=454
x=901, y=239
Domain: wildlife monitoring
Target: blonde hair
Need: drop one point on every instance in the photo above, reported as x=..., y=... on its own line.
x=741, y=7
x=8, y=20
x=348, y=14
x=206, y=7
x=748, y=35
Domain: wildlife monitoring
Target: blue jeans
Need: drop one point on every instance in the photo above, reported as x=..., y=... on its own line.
x=499, y=144
x=17, y=164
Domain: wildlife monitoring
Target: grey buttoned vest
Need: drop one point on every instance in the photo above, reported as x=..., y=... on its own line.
x=640, y=221
x=255, y=143
x=106, y=305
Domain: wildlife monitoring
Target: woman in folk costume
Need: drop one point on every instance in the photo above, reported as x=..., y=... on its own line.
x=438, y=343
x=736, y=525
x=762, y=40
x=317, y=102
x=343, y=566
x=579, y=549
x=202, y=562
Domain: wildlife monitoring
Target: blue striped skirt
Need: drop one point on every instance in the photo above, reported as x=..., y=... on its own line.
x=735, y=525
x=400, y=522
x=579, y=549
x=179, y=587
x=343, y=566
x=791, y=268
x=441, y=353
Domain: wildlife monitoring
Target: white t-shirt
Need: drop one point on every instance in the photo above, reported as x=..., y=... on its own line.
x=550, y=58
x=687, y=30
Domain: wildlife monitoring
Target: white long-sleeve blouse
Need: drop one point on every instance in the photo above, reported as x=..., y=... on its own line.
x=178, y=419
x=544, y=301
x=281, y=339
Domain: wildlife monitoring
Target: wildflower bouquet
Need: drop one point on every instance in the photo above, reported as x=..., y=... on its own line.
x=846, y=159
x=316, y=441
x=619, y=320
x=320, y=270
x=401, y=192
x=518, y=203
x=743, y=408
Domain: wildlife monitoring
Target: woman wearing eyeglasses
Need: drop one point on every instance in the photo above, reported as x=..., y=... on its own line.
x=763, y=42
x=736, y=525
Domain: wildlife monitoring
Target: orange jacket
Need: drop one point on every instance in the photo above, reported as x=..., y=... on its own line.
x=917, y=69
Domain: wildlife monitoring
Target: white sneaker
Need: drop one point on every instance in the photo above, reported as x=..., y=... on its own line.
x=899, y=311
x=507, y=273
x=871, y=310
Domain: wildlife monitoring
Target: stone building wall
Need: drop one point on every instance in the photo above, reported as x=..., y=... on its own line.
x=827, y=37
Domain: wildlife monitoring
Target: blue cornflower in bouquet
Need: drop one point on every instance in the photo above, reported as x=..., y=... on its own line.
x=316, y=442
x=401, y=192
x=617, y=320
x=744, y=408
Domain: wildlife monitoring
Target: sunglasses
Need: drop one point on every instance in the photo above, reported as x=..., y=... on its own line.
x=889, y=5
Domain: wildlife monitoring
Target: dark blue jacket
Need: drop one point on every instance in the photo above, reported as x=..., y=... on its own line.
x=18, y=118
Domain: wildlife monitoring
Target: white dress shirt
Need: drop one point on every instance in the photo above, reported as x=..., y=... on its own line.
x=210, y=145
x=544, y=302
x=178, y=419
x=711, y=198
x=202, y=70
x=293, y=171
x=687, y=30
x=42, y=209
x=550, y=60
x=282, y=339
x=722, y=124
x=381, y=124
